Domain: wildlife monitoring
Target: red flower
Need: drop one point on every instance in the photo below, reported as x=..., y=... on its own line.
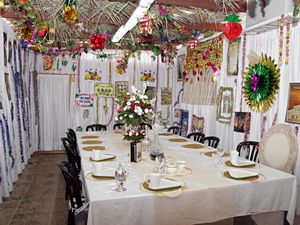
x=120, y=109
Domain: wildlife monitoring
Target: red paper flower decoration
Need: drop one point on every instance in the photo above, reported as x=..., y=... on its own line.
x=232, y=29
x=98, y=40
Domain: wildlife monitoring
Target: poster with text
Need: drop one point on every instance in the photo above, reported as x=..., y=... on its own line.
x=84, y=100
x=104, y=90
x=293, y=105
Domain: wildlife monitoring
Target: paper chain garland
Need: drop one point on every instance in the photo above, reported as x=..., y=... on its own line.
x=261, y=84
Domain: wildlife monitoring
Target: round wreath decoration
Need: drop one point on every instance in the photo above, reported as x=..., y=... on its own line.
x=261, y=84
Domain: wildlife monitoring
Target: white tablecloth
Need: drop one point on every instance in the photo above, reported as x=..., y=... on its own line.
x=209, y=196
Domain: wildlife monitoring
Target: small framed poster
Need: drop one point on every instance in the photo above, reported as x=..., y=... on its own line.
x=104, y=90
x=225, y=104
x=242, y=122
x=233, y=57
x=181, y=63
x=293, y=105
x=166, y=96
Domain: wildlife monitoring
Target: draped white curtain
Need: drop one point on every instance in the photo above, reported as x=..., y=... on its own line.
x=18, y=139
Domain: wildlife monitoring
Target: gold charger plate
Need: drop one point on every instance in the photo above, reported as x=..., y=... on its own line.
x=194, y=146
x=228, y=163
x=89, y=137
x=178, y=140
x=254, y=178
x=166, y=134
x=170, y=192
x=90, y=176
x=102, y=160
x=91, y=148
x=209, y=154
x=92, y=142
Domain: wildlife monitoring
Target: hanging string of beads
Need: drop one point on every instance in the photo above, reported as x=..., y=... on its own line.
x=287, y=40
x=281, y=39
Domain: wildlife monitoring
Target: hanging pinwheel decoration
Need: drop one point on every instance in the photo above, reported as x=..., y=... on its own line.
x=70, y=12
x=261, y=84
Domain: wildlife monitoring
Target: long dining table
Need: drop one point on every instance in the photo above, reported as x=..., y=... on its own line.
x=207, y=196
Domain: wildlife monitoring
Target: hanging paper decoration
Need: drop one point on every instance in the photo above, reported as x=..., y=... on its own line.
x=48, y=62
x=148, y=76
x=84, y=100
x=169, y=54
x=104, y=90
x=146, y=24
x=208, y=54
x=121, y=87
x=98, y=40
x=192, y=43
x=122, y=63
x=232, y=29
x=92, y=75
x=261, y=84
x=70, y=12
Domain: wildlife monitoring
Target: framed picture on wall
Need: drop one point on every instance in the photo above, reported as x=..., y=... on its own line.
x=233, y=57
x=121, y=87
x=225, y=104
x=166, y=96
x=242, y=122
x=104, y=90
x=197, y=123
x=181, y=63
x=293, y=105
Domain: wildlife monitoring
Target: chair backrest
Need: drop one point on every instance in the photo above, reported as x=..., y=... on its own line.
x=73, y=184
x=118, y=125
x=72, y=135
x=96, y=127
x=144, y=125
x=174, y=129
x=248, y=150
x=196, y=136
x=279, y=148
x=72, y=154
x=211, y=141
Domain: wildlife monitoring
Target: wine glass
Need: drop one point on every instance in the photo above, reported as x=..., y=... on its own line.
x=160, y=160
x=220, y=152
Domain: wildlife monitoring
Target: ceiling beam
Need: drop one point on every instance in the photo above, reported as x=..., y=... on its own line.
x=203, y=4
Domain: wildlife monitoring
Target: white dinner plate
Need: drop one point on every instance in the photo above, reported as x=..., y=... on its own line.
x=166, y=184
x=242, y=162
x=105, y=173
x=241, y=174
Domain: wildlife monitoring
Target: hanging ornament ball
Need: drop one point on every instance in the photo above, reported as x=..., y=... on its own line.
x=232, y=29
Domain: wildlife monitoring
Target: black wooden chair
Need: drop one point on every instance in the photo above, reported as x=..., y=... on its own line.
x=72, y=136
x=196, y=136
x=72, y=154
x=144, y=125
x=211, y=141
x=174, y=129
x=248, y=150
x=77, y=204
x=96, y=127
x=118, y=125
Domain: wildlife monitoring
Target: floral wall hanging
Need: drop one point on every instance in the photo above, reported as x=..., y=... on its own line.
x=121, y=87
x=92, y=75
x=48, y=62
x=261, y=84
x=148, y=76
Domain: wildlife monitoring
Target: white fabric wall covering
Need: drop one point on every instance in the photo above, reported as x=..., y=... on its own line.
x=54, y=97
x=11, y=161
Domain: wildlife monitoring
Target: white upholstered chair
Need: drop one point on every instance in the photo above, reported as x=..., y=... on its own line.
x=279, y=148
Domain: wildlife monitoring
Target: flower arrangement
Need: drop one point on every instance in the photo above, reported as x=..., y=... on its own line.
x=92, y=75
x=132, y=110
x=147, y=76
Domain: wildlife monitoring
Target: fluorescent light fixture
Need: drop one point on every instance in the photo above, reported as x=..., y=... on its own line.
x=119, y=34
x=139, y=12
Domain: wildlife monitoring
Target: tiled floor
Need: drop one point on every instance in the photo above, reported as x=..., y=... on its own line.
x=38, y=196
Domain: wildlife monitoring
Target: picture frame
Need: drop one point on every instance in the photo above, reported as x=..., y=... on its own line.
x=84, y=100
x=150, y=92
x=104, y=90
x=225, y=105
x=233, y=57
x=166, y=96
x=242, y=122
x=121, y=87
x=197, y=123
x=181, y=61
x=293, y=104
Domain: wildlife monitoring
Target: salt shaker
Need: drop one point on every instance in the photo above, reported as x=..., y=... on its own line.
x=120, y=177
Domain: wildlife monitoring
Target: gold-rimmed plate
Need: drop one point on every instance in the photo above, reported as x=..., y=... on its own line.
x=104, y=157
x=228, y=163
x=210, y=154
